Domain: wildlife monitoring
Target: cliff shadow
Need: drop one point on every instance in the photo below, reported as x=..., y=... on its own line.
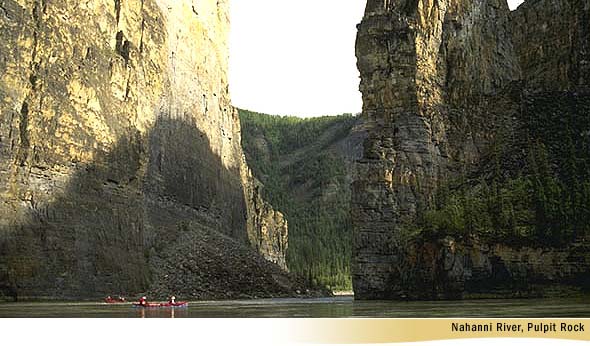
x=79, y=230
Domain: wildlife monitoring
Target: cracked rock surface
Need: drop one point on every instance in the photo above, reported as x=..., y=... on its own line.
x=440, y=79
x=115, y=127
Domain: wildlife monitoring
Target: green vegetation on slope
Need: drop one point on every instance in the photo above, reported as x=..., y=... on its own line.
x=544, y=199
x=533, y=188
x=308, y=179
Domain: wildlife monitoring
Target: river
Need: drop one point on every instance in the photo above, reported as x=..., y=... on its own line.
x=315, y=308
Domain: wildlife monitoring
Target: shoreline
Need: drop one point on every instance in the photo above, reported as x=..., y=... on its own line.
x=335, y=294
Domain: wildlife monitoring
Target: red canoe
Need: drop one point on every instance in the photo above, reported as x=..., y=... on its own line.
x=162, y=305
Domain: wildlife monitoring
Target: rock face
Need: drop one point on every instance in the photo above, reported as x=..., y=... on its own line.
x=440, y=80
x=267, y=228
x=552, y=42
x=450, y=269
x=116, y=125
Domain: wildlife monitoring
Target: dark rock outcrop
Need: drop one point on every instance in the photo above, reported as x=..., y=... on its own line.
x=552, y=42
x=441, y=79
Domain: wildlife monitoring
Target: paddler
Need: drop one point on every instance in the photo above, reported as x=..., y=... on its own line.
x=143, y=301
x=172, y=300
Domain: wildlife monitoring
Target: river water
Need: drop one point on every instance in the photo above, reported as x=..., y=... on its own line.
x=324, y=307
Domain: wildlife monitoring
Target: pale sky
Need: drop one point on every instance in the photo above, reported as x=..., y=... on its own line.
x=296, y=57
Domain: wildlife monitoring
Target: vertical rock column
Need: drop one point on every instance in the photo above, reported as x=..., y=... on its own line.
x=384, y=191
x=420, y=61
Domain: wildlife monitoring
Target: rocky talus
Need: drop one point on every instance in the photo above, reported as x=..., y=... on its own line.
x=193, y=263
x=441, y=81
x=116, y=129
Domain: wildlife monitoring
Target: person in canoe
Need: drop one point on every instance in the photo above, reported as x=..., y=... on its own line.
x=172, y=300
x=143, y=301
x=111, y=300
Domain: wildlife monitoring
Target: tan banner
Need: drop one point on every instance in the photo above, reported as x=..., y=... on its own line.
x=380, y=331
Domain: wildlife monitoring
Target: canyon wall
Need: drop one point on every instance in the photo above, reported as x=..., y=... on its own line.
x=441, y=80
x=116, y=126
x=551, y=38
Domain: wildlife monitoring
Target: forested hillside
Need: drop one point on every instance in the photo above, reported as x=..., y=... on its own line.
x=535, y=187
x=306, y=168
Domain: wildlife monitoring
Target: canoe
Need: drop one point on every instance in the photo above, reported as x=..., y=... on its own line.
x=162, y=305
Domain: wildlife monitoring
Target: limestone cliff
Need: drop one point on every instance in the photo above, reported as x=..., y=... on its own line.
x=552, y=44
x=442, y=80
x=116, y=126
x=267, y=228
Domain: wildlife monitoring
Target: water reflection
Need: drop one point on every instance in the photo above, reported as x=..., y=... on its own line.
x=162, y=312
x=316, y=308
